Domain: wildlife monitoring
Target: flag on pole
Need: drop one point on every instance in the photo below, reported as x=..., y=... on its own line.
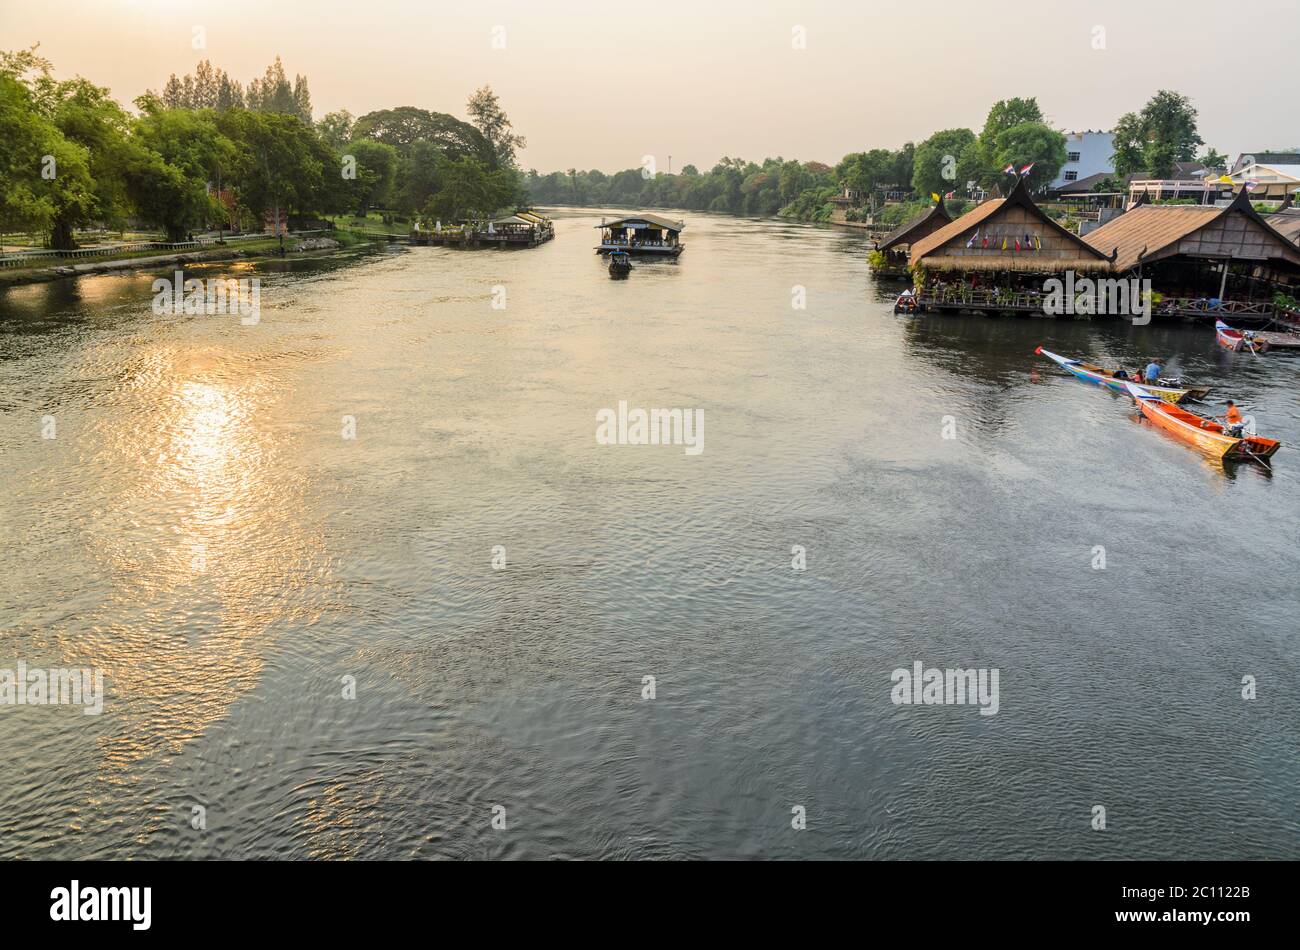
x=986, y=241
x=1226, y=179
x=1010, y=169
x=1025, y=171
x=1017, y=244
x=951, y=194
x=1004, y=244
x=974, y=237
x=1038, y=243
x=934, y=196
x=1251, y=184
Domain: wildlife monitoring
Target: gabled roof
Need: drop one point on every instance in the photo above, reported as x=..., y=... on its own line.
x=938, y=213
x=1285, y=223
x=1019, y=196
x=657, y=220
x=1149, y=232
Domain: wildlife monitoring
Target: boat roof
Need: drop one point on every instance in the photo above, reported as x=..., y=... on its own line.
x=657, y=220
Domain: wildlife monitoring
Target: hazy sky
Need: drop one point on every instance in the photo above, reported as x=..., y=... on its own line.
x=601, y=84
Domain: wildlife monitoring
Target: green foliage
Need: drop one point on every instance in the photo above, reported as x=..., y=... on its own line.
x=935, y=164
x=1031, y=142
x=206, y=149
x=1151, y=141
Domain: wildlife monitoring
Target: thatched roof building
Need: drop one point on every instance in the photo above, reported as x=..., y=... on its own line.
x=1237, y=233
x=1010, y=235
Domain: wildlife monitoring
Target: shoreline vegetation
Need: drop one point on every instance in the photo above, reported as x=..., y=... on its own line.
x=885, y=188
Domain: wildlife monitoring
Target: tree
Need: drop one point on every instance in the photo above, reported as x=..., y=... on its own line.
x=30, y=200
x=376, y=171
x=404, y=125
x=469, y=189
x=982, y=162
x=178, y=155
x=488, y=117
x=282, y=165
x=1214, y=159
x=336, y=129
x=1153, y=140
x=934, y=166
x=1031, y=142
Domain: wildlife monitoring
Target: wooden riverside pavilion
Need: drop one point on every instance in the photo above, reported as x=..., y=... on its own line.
x=648, y=234
x=997, y=257
x=895, y=245
x=1203, y=259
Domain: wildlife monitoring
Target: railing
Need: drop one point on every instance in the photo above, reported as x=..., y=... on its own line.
x=34, y=255
x=1203, y=305
x=995, y=299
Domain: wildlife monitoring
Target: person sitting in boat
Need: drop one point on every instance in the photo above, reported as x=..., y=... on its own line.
x=1232, y=420
x=1121, y=373
x=1152, y=372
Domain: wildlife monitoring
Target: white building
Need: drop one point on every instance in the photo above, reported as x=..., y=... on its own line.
x=1086, y=154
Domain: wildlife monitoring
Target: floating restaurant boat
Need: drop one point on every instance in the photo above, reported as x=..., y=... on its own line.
x=1211, y=437
x=1104, y=377
x=620, y=265
x=1238, y=340
x=648, y=234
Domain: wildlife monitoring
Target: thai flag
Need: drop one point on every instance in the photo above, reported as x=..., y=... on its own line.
x=974, y=237
x=1251, y=184
x=1010, y=169
x=1025, y=171
x=951, y=194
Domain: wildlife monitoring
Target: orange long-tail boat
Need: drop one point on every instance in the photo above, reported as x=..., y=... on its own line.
x=1211, y=437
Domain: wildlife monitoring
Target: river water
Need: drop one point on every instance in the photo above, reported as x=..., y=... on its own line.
x=200, y=530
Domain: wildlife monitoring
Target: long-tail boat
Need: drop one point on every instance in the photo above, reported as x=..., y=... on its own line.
x=1238, y=340
x=1104, y=377
x=1211, y=437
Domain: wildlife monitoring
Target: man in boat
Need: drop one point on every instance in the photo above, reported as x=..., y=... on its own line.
x=1232, y=420
x=1121, y=373
x=1152, y=372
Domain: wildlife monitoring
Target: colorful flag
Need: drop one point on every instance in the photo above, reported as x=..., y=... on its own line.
x=951, y=194
x=986, y=241
x=1010, y=169
x=1017, y=244
x=934, y=196
x=974, y=237
x=1251, y=184
x=1004, y=244
x=1226, y=179
x=1038, y=243
x=1025, y=171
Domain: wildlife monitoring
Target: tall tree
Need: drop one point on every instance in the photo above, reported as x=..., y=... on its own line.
x=490, y=119
x=1151, y=141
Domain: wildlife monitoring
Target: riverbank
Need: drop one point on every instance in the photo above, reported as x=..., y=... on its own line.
x=251, y=251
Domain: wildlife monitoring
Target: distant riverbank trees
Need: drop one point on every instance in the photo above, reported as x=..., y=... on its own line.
x=209, y=152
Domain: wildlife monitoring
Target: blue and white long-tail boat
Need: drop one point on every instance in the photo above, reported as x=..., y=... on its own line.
x=1104, y=377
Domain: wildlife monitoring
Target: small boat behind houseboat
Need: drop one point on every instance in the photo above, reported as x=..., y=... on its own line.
x=1220, y=441
x=1238, y=340
x=1089, y=373
x=620, y=264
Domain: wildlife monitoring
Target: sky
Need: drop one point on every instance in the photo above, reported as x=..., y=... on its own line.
x=602, y=85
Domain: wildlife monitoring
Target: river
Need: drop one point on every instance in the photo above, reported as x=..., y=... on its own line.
x=309, y=653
